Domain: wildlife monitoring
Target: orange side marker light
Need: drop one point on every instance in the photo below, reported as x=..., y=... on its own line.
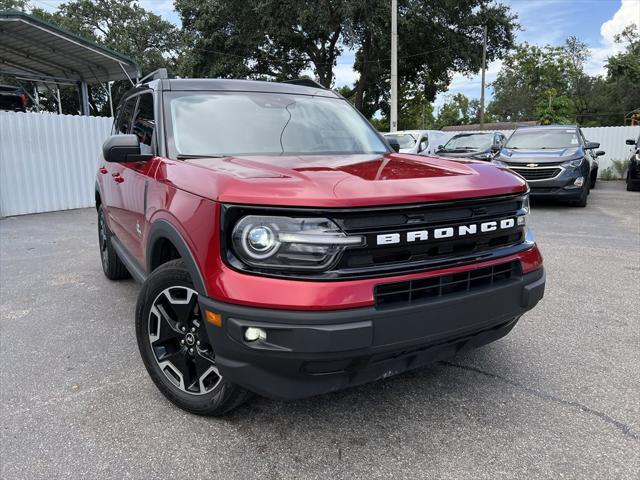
x=214, y=318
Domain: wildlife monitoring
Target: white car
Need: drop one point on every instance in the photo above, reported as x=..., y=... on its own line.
x=422, y=142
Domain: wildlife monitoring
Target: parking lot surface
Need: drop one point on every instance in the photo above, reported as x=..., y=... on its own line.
x=556, y=398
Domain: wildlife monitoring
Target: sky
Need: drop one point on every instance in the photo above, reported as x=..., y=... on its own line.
x=595, y=22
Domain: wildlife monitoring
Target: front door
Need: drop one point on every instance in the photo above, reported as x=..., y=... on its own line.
x=135, y=178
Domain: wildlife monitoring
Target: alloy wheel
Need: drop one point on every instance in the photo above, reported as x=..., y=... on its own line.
x=179, y=341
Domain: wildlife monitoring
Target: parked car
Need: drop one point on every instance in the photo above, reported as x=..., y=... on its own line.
x=633, y=172
x=475, y=146
x=556, y=160
x=12, y=99
x=284, y=249
x=423, y=142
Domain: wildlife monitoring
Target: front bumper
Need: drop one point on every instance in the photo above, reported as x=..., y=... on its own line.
x=561, y=186
x=312, y=352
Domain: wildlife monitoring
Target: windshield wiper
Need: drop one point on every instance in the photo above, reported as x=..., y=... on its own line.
x=185, y=156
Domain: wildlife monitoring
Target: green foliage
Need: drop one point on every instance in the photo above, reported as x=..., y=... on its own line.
x=459, y=110
x=20, y=5
x=617, y=171
x=121, y=25
x=279, y=39
x=549, y=84
x=620, y=167
x=529, y=76
x=552, y=108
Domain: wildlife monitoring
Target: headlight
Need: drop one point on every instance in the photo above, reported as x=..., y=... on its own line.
x=574, y=163
x=290, y=243
x=523, y=212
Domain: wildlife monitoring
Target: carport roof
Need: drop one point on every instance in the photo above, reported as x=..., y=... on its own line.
x=35, y=49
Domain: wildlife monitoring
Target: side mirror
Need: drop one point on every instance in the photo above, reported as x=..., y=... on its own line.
x=496, y=147
x=123, y=149
x=591, y=145
x=599, y=153
x=440, y=147
x=393, y=142
x=630, y=141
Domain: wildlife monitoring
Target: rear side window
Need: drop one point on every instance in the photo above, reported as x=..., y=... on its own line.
x=144, y=123
x=123, y=122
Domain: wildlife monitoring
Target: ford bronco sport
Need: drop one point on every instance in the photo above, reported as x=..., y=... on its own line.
x=285, y=249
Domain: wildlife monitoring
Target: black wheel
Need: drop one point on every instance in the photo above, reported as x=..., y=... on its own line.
x=630, y=186
x=112, y=266
x=175, y=347
x=582, y=200
x=594, y=179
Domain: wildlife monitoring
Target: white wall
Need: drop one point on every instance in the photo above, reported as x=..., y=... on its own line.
x=47, y=161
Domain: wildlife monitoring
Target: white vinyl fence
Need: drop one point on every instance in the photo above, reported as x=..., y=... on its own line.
x=611, y=140
x=48, y=162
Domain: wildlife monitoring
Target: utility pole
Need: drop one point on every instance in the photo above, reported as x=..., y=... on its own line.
x=394, y=65
x=484, y=66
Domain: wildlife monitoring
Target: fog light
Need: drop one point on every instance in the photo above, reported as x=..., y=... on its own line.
x=522, y=220
x=579, y=181
x=251, y=334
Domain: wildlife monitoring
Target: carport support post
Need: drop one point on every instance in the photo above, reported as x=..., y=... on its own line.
x=84, y=98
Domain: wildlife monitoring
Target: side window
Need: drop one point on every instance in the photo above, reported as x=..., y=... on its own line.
x=424, y=143
x=144, y=123
x=123, y=121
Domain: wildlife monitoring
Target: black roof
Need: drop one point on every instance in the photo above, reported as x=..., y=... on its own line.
x=232, y=85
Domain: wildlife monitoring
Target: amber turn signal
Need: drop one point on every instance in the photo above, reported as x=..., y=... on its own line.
x=214, y=318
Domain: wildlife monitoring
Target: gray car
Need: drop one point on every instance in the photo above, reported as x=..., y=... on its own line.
x=556, y=160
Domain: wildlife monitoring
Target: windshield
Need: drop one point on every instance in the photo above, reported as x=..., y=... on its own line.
x=535, y=139
x=469, y=143
x=405, y=140
x=252, y=123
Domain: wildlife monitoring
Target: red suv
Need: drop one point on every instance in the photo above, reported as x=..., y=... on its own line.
x=285, y=249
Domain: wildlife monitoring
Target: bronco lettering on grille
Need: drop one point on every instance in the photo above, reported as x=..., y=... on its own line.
x=446, y=232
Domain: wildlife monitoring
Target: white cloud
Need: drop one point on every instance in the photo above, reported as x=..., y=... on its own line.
x=627, y=14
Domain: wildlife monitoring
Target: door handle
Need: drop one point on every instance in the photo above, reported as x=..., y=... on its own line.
x=103, y=170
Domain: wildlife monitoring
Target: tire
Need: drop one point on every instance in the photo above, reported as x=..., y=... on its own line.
x=175, y=348
x=112, y=266
x=582, y=200
x=594, y=179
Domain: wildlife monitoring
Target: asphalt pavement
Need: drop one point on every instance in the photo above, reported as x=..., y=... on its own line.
x=557, y=398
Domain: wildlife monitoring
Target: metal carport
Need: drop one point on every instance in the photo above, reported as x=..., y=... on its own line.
x=35, y=50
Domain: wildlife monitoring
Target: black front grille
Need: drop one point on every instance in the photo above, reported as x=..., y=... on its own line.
x=425, y=289
x=376, y=259
x=433, y=252
x=542, y=173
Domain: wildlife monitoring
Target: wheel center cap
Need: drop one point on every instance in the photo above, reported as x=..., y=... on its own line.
x=190, y=339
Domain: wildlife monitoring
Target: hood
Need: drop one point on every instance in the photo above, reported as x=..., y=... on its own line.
x=540, y=155
x=339, y=180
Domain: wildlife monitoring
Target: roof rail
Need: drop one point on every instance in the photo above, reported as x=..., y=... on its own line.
x=155, y=75
x=305, y=82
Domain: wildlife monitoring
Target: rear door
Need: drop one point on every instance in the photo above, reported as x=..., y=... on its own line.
x=135, y=177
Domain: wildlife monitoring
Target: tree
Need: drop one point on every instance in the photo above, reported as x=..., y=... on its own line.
x=278, y=39
x=121, y=25
x=623, y=71
x=527, y=74
x=458, y=110
x=554, y=108
x=20, y=5
x=436, y=39
x=263, y=38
